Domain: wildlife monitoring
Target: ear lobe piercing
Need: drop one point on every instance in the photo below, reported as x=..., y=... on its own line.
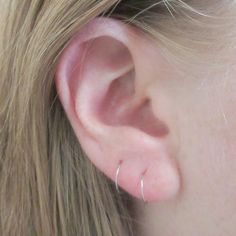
x=142, y=188
x=117, y=174
x=141, y=182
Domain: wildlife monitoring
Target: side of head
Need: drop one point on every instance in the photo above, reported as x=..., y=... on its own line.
x=91, y=86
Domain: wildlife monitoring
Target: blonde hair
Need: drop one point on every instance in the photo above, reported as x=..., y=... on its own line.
x=47, y=184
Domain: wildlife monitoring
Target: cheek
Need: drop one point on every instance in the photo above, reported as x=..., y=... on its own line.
x=208, y=149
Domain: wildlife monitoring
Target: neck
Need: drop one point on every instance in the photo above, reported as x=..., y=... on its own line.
x=169, y=219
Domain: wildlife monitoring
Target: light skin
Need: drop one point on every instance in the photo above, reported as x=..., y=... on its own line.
x=127, y=104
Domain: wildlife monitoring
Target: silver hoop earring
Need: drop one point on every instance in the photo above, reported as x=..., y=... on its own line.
x=117, y=174
x=142, y=188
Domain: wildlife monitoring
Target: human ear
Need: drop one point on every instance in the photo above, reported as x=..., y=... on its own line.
x=102, y=80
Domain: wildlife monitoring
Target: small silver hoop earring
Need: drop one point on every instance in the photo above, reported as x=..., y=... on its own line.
x=142, y=188
x=117, y=174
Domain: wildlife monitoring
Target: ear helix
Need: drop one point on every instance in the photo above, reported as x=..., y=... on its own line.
x=141, y=181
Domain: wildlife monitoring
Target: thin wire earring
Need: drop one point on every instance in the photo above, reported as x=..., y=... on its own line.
x=142, y=188
x=117, y=174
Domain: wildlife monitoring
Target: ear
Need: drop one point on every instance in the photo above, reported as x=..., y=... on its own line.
x=102, y=80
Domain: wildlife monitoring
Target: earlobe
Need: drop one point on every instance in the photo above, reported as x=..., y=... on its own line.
x=100, y=84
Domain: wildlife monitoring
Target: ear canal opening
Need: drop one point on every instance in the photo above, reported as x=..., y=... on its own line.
x=144, y=119
x=117, y=108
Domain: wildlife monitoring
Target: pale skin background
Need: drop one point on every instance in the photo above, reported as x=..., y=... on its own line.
x=205, y=122
x=205, y=112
